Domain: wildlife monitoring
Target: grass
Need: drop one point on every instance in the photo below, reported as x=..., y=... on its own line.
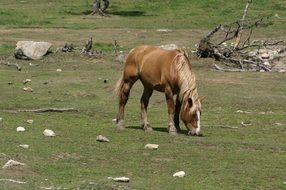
x=251, y=157
x=133, y=14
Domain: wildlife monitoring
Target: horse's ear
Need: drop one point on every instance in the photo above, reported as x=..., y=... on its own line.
x=190, y=102
x=201, y=98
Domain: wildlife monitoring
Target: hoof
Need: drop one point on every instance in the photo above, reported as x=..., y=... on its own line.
x=120, y=125
x=194, y=134
x=147, y=128
x=178, y=129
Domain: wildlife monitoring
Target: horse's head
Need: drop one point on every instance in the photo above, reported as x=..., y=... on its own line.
x=191, y=115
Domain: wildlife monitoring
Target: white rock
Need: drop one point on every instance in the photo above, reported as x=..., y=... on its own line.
x=30, y=121
x=20, y=129
x=101, y=138
x=114, y=120
x=1, y=119
x=169, y=46
x=49, y=133
x=245, y=123
x=266, y=63
x=28, y=89
x=265, y=56
x=24, y=146
x=26, y=81
x=59, y=70
x=11, y=163
x=32, y=49
x=151, y=146
x=121, y=179
x=179, y=174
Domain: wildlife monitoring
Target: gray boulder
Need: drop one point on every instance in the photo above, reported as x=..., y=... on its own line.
x=31, y=49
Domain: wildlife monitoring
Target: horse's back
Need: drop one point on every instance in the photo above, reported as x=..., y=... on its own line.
x=152, y=64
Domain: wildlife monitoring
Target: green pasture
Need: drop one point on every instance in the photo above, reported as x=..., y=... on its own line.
x=227, y=156
x=75, y=14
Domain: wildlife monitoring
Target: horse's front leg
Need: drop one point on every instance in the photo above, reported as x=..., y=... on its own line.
x=171, y=110
x=144, y=104
x=177, y=113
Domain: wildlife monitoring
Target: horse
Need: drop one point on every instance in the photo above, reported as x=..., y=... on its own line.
x=167, y=71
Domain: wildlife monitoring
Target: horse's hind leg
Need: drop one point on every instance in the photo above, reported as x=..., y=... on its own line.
x=123, y=98
x=144, y=104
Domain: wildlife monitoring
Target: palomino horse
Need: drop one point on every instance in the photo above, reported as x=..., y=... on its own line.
x=167, y=71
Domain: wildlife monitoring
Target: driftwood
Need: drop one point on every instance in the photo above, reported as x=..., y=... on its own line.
x=13, y=181
x=242, y=22
x=89, y=51
x=239, y=52
x=221, y=126
x=41, y=110
x=97, y=9
x=12, y=64
x=67, y=48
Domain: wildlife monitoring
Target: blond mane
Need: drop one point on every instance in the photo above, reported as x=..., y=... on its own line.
x=187, y=82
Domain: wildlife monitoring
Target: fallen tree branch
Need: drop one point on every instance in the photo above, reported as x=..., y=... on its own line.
x=41, y=110
x=227, y=70
x=14, y=181
x=13, y=64
x=221, y=126
x=242, y=22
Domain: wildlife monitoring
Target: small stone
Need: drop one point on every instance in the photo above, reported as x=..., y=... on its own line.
x=240, y=111
x=278, y=124
x=121, y=179
x=30, y=121
x=26, y=81
x=59, y=70
x=245, y=123
x=265, y=56
x=179, y=174
x=169, y=46
x=282, y=71
x=28, y=89
x=24, y=146
x=266, y=63
x=101, y=138
x=1, y=119
x=11, y=163
x=49, y=133
x=151, y=146
x=114, y=120
x=20, y=129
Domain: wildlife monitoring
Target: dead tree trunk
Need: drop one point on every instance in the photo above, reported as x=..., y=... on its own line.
x=97, y=7
x=105, y=5
x=242, y=22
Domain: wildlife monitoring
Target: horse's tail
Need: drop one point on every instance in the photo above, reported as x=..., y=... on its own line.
x=119, y=86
